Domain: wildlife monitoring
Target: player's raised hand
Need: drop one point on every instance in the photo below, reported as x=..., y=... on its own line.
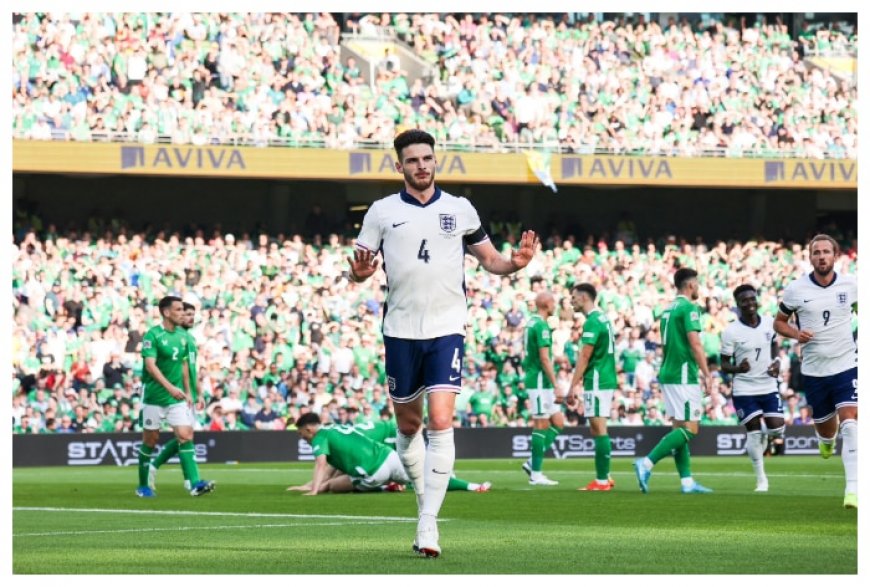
x=805, y=336
x=743, y=367
x=528, y=245
x=362, y=265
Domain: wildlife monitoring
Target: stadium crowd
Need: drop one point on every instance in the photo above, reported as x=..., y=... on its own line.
x=282, y=331
x=268, y=78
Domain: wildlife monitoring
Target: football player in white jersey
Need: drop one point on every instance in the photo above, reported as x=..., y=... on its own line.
x=749, y=354
x=822, y=303
x=422, y=234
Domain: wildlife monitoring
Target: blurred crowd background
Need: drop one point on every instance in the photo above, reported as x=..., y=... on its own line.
x=281, y=329
x=485, y=82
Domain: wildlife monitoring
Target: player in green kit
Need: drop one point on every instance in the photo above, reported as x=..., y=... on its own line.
x=595, y=377
x=540, y=383
x=683, y=358
x=368, y=464
x=170, y=449
x=383, y=432
x=166, y=379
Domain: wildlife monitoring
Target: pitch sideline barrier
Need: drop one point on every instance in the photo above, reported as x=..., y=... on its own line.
x=49, y=450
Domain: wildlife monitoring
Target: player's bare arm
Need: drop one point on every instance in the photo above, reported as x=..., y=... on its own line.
x=185, y=377
x=320, y=473
x=728, y=365
x=331, y=473
x=783, y=328
x=773, y=368
x=547, y=367
x=584, y=355
x=496, y=263
x=700, y=358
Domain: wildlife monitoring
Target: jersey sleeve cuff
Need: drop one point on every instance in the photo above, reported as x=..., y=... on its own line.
x=477, y=237
x=785, y=309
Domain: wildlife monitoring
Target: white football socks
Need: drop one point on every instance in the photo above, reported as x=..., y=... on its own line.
x=755, y=450
x=412, y=453
x=440, y=455
x=849, y=432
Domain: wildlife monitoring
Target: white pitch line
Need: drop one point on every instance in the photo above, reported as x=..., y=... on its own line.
x=188, y=528
x=232, y=514
x=657, y=473
x=483, y=472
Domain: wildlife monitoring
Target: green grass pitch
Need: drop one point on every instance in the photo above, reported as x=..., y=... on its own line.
x=88, y=520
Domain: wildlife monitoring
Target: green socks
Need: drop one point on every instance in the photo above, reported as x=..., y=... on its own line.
x=145, y=452
x=170, y=449
x=541, y=441
x=683, y=461
x=550, y=435
x=186, y=453
x=456, y=484
x=671, y=444
x=602, y=457
x=538, y=447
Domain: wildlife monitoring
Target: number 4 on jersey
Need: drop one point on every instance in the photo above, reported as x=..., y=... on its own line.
x=424, y=252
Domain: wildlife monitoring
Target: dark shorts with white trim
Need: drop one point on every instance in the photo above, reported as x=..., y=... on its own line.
x=415, y=366
x=826, y=394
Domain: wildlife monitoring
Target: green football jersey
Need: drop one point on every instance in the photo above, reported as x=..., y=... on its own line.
x=601, y=370
x=382, y=431
x=191, y=364
x=678, y=364
x=348, y=450
x=483, y=402
x=170, y=351
x=537, y=336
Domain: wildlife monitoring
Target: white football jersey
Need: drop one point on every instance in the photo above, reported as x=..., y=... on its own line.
x=827, y=313
x=745, y=342
x=423, y=248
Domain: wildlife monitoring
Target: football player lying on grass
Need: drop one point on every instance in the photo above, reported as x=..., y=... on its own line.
x=346, y=460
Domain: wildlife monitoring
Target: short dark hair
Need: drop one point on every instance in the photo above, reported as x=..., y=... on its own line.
x=683, y=275
x=412, y=136
x=586, y=288
x=308, y=419
x=825, y=237
x=742, y=288
x=188, y=306
x=167, y=301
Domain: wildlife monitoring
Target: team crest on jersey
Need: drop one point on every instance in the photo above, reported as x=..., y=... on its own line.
x=146, y=344
x=448, y=222
x=841, y=298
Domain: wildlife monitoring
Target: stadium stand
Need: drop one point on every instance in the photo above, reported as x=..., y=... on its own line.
x=494, y=82
x=278, y=319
